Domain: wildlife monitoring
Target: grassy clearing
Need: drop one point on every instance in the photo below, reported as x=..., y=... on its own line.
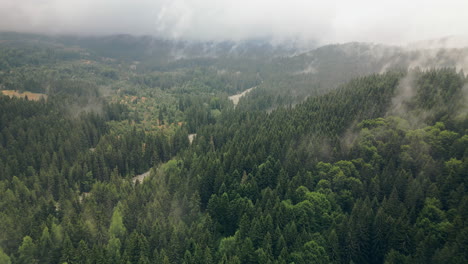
x=29, y=95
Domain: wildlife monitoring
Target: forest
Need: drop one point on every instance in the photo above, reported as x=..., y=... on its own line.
x=339, y=164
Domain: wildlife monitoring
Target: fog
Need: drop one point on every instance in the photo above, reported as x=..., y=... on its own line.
x=322, y=22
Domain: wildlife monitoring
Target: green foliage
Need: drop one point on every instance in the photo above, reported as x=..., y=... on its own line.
x=27, y=251
x=310, y=253
x=4, y=258
x=340, y=178
x=117, y=228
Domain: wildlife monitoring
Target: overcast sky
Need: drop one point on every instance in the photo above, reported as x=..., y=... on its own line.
x=326, y=21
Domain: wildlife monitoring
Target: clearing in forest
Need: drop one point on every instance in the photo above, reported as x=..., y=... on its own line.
x=235, y=98
x=31, y=96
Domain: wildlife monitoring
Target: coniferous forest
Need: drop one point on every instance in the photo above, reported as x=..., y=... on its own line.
x=117, y=155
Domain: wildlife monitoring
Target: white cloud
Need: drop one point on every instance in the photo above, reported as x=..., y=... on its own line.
x=384, y=21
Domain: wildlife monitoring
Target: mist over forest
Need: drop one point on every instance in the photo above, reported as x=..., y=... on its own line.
x=233, y=132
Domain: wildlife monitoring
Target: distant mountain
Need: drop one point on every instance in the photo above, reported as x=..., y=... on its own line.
x=294, y=78
x=450, y=42
x=288, y=69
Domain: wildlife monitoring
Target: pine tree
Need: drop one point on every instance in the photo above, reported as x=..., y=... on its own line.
x=117, y=228
x=45, y=246
x=27, y=251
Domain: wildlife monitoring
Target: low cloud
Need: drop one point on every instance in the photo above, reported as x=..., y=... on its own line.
x=391, y=22
x=404, y=93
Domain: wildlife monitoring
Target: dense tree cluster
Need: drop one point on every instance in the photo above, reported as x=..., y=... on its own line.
x=374, y=171
x=336, y=179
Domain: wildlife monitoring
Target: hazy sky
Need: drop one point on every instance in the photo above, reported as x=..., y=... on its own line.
x=393, y=21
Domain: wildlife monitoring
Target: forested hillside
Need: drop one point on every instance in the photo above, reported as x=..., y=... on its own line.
x=371, y=170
